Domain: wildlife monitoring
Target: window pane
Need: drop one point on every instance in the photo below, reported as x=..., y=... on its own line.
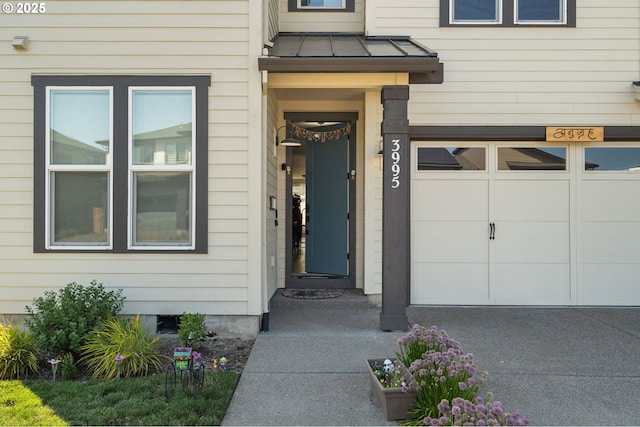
x=322, y=3
x=451, y=158
x=539, y=10
x=79, y=127
x=475, y=10
x=532, y=159
x=612, y=159
x=162, y=209
x=161, y=127
x=80, y=208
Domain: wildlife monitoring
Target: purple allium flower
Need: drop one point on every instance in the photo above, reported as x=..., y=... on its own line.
x=462, y=385
x=119, y=358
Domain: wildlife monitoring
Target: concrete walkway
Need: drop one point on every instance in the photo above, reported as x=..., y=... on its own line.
x=558, y=366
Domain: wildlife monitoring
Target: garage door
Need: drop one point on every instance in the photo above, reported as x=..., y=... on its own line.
x=609, y=221
x=502, y=224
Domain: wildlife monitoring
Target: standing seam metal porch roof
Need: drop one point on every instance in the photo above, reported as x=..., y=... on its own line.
x=343, y=52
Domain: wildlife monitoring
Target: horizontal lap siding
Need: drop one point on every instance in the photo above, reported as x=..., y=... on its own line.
x=132, y=37
x=525, y=75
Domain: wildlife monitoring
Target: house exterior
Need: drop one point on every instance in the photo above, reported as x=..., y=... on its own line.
x=449, y=152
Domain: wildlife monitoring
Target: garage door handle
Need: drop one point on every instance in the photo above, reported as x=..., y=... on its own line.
x=492, y=231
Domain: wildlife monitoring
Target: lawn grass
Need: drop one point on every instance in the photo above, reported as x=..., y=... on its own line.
x=130, y=401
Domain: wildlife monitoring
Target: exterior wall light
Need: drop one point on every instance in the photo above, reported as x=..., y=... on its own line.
x=287, y=142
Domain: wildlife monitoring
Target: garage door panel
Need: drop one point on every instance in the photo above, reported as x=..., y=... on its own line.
x=453, y=200
x=539, y=200
x=450, y=283
x=608, y=200
x=611, y=242
x=543, y=284
x=532, y=242
x=444, y=241
x=612, y=284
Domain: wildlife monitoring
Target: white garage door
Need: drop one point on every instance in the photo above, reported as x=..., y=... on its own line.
x=502, y=223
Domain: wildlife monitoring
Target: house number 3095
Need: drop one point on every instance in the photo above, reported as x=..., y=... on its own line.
x=395, y=165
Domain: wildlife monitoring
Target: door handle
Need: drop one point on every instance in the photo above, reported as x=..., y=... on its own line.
x=492, y=231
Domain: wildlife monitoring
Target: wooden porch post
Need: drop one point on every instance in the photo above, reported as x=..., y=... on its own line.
x=395, y=205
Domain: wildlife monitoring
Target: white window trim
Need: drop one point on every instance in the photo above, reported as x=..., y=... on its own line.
x=108, y=167
x=160, y=168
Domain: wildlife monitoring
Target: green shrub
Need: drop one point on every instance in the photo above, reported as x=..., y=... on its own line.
x=18, y=352
x=67, y=367
x=191, y=324
x=60, y=321
x=125, y=338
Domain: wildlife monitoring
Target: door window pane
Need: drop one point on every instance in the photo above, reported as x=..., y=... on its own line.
x=162, y=127
x=612, y=159
x=80, y=208
x=475, y=10
x=532, y=158
x=540, y=10
x=451, y=158
x=79, y=127
x=162, y=208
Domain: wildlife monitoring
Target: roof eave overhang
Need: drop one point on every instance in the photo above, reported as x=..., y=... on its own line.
x=348, y=65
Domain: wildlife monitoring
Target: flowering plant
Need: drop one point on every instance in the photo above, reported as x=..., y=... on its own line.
x=389, y=374
x=447, y=381
x=481, y=413
x=417, y=342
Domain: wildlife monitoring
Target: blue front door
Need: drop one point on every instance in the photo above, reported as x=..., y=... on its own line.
x=327, y=182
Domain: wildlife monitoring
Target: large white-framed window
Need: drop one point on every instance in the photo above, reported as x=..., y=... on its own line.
x=162, y=171
x=78, y=178
x=120, y=163
x=508, y=13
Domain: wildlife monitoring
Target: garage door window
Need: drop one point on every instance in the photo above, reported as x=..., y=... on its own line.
x=451, y=158
x=612, y=159
x=532, y=159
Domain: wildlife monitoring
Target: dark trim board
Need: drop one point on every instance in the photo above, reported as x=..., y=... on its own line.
x=507, y=133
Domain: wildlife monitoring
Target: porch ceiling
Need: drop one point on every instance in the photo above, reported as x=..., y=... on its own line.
x=348, y=53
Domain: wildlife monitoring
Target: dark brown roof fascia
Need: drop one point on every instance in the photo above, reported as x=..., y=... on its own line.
x=348, y=65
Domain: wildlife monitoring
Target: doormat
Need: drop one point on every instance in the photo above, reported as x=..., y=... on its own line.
x=312, y=293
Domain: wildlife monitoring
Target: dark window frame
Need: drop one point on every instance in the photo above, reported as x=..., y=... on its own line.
x=349, y=7
x=507, y=15
x=120, y=168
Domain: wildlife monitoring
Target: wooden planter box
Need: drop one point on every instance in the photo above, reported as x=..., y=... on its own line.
x=396, y=404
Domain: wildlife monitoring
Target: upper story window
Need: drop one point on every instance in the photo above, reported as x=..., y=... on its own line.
x=508, y=12
x=321, y=5
x=120, y=163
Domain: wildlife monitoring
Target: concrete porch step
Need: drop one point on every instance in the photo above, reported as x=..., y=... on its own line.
x=351, y=299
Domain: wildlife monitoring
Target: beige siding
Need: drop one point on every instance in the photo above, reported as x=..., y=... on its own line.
x=272, y=191
x=322, y=21
x=520, y=76
x=136, y=37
